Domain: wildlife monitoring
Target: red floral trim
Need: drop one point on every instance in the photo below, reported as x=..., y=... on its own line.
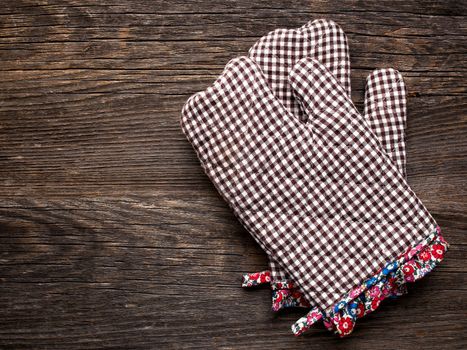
x=287, y=297
x=390, y=281
x=256, y=279
x=345, y=325
x=284, y=293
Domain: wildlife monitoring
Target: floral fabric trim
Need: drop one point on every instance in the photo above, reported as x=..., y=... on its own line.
x=256, y=279
x=284, y=293
x=389, y=282
x=289, y=296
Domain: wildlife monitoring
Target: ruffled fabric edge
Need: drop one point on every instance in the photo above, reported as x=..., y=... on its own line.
x=391, y=281
x=284, y=293
x=256, y=279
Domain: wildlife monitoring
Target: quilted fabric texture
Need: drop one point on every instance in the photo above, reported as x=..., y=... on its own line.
x=326, y=42
x=323, y=198
x=385, y=112
x=277, y=52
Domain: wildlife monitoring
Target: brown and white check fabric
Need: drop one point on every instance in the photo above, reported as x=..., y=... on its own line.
x=323, y=198
x=385, y=112
x=324, y=40
x=277, y=52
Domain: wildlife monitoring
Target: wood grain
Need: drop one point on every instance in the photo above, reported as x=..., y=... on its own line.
x=110, y=234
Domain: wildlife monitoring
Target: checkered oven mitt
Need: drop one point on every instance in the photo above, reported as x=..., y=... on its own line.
x=324, y=40
x=323, y=198
x=378, y=199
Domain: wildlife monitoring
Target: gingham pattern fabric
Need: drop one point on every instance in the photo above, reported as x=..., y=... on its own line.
x=323, y=198
x=325, y=41
x=385, y=112
x=277, y=52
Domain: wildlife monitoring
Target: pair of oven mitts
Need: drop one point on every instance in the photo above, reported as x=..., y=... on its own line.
x=320, y=187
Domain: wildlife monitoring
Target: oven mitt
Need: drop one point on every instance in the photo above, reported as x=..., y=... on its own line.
x=323, y=198
x=385, y=114
x=325, y=41
x=377, y=197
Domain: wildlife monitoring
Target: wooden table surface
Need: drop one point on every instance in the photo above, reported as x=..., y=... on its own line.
x=112, y=236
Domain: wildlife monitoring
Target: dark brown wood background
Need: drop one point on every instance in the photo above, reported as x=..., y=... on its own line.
x=110, y=234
